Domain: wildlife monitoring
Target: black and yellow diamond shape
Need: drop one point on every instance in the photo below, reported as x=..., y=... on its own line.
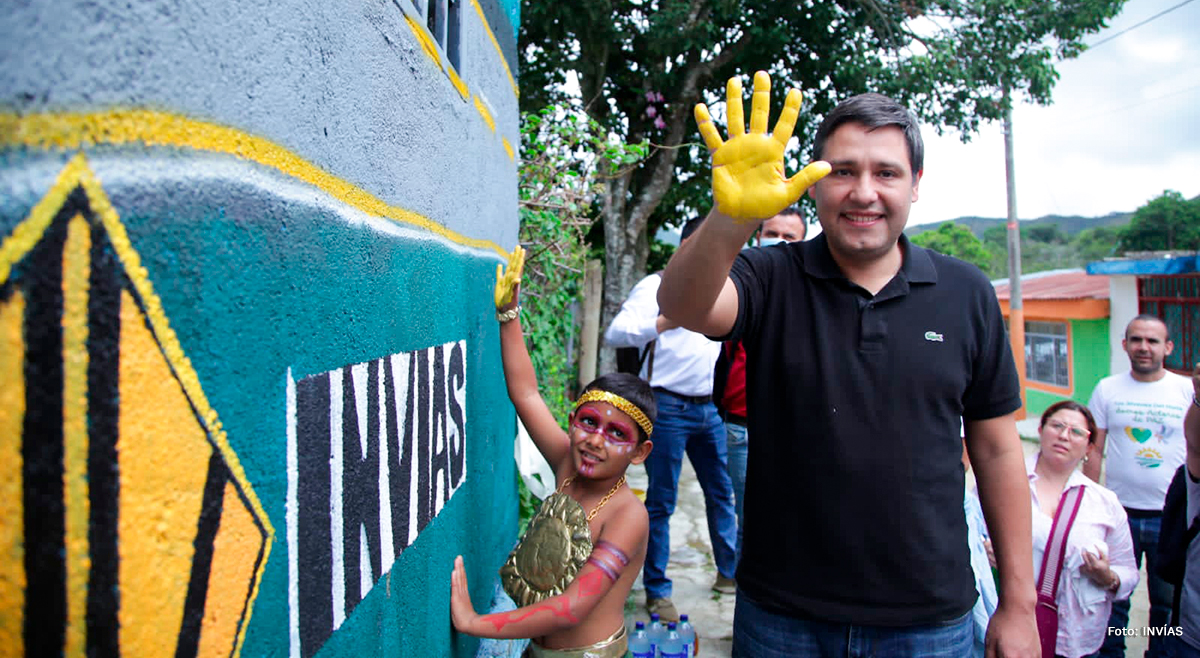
x=127, y=513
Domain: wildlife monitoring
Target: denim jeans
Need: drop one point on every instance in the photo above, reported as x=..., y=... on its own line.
x=1175, y=647
x=697, y=430
x=1145, y=542
x=762, y=633
x=738, y=445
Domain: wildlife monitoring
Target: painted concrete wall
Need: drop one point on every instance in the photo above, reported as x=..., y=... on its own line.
x=1089, y=364
x=250, y=396
x=1122, y=293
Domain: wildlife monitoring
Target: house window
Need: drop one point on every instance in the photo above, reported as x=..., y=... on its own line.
x=1046, y=357
x=1176, y=300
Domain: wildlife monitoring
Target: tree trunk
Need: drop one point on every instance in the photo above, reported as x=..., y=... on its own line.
x=626, y=245
x=626, y=248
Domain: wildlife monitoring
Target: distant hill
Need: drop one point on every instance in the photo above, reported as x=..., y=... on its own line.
x=1067, y=224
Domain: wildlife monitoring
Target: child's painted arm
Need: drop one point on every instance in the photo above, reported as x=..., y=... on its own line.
x=519, y=375
x=597, y=577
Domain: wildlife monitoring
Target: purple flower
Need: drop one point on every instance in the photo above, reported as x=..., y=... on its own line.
x=659, y=123
x=651, y=112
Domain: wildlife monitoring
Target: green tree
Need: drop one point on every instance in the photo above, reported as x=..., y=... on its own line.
x=1166, y=222
x=1097, y=243
x=1048, y=233
x=958, y=241
x=996, y=236
x=565, y=160
x=641, y=65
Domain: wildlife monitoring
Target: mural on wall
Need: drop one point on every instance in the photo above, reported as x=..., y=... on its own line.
x=241, y=287
x=375, y=451
x=128, y=517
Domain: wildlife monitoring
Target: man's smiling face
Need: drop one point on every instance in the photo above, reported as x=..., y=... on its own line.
x=863, y=203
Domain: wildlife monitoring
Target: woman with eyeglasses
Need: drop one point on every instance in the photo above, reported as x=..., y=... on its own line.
x=1097, y=566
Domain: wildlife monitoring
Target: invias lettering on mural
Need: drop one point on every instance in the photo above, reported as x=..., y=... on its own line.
x=375, y=451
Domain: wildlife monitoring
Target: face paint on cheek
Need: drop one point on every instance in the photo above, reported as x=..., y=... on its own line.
x=621, y=448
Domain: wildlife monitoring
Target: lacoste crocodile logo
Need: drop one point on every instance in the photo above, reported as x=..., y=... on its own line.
x=933, y=337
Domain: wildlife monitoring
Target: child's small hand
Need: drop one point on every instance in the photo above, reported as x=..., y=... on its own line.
x=508, y=282
x=462, y=611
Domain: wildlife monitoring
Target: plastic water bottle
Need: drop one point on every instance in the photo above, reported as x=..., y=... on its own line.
x=688, y=634
x=639, y=643
x=656, y=633
x=672, y=646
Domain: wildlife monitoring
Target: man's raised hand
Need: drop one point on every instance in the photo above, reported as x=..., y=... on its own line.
x=748, y=175
x=507, y=282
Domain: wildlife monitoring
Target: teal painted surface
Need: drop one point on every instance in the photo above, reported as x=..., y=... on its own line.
x=266, y=280
x=1089, y=364
x=512, y=8
x=255, y=283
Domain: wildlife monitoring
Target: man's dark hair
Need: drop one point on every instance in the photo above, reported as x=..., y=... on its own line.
x=1146, y=317
x=791, y=210
x=632, y=388
x=874, y=111
x=690, y=227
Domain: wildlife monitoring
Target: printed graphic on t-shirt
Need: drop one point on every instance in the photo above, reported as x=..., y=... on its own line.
x=1152, y=426
x=1139, y=434
x=1148, y=458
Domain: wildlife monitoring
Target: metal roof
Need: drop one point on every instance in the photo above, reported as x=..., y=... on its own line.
x=1058, y=284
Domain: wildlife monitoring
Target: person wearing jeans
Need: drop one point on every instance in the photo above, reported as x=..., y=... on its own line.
x=1145, y=529
x=693, y=427
x=729, y=380
x=762, y=633
x=1139, y=416
x=679, y=366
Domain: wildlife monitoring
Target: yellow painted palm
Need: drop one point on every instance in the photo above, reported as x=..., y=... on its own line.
x=748, y=176
x=507, y=282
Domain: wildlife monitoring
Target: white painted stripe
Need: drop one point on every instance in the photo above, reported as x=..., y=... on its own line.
x=336, y=468
x=214, y=169
x=462, y=404
x=359, y=374
x=414, y=417
x=387, y=553
x=292, y=516
x=365, y=581
x=440, y=438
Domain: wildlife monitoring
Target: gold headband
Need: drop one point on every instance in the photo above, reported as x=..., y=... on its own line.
x=619, y=402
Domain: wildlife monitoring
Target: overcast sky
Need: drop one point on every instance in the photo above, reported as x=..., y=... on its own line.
x=1123, y=127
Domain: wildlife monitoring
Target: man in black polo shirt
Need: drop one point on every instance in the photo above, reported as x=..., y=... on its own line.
x=863, y=352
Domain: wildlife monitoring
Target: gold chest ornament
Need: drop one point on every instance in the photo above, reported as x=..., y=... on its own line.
x=555, y=547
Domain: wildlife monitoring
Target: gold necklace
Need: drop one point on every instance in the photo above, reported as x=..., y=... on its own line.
x=603, y=501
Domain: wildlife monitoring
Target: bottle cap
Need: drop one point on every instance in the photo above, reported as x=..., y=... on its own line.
x=683, y=618
x=639, y=626
x=653, y=617
x=670, y=626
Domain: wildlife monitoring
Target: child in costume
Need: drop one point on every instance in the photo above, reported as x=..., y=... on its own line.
x=572, y=571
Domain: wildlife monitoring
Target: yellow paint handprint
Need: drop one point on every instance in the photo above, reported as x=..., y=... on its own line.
x=748, y=175
x=508, y=282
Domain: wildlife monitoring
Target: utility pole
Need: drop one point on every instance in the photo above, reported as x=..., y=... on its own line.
x=1016, y=309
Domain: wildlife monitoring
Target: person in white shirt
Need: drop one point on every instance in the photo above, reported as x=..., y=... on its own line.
x=1139, y=415
x=1098, y=566
x=679, y=367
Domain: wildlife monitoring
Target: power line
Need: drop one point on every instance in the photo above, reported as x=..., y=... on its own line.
x=1115, y=110
x=1161, y=13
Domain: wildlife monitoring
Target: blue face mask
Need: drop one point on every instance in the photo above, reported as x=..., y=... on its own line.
x=767, y=242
